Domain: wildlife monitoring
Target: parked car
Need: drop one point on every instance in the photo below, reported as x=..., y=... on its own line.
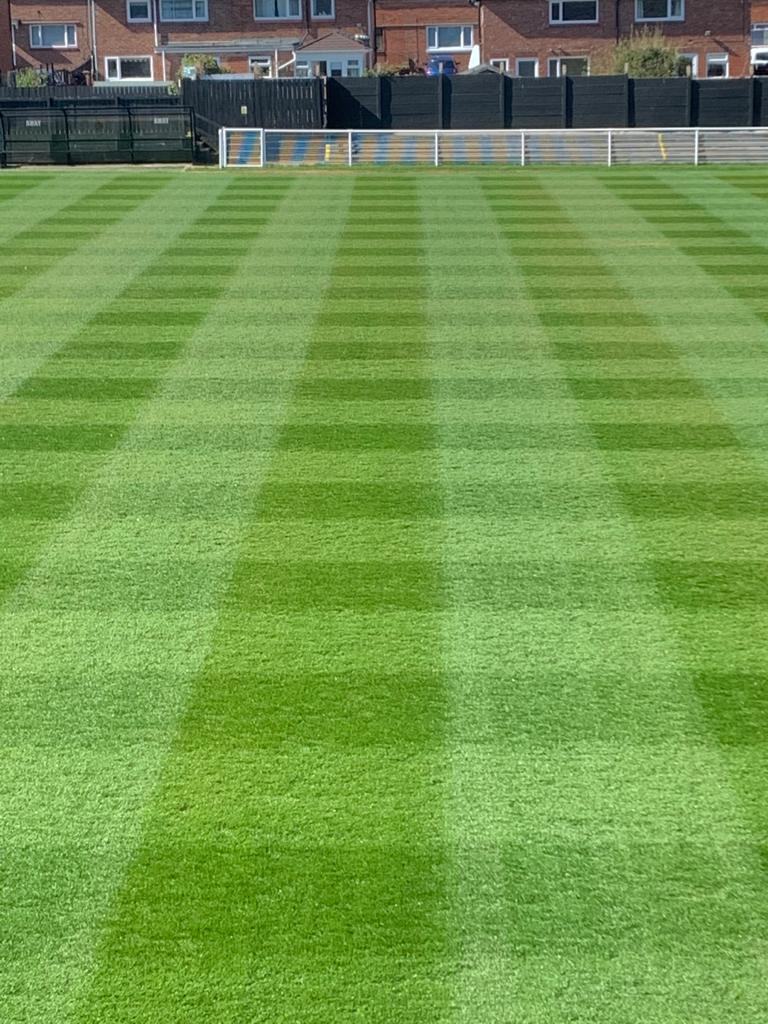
x=441, y=66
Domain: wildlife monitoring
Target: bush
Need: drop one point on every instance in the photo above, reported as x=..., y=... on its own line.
x=382, y=70
x=30, y=78
x=204, y=63
x=647, y=54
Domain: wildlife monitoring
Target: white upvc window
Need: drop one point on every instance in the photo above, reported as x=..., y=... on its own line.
x=128, y=69
x=139, y=10
x=659, y=10
x=301, y=69
x=499, y=62
x=717, y=65
x=276, y=10
x=760, y=34
x=323, y=9
x=52, y=37
x=573, y=12
x=450, y=37
x=527, y=67
x=183, y=10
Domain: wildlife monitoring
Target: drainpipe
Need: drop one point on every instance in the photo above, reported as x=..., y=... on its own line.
x=13, y=42
x=94, y=47
x=157, y=38
x=618, y=20
x=372, y=30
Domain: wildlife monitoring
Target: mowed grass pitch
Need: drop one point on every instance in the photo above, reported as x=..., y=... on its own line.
x=384, y=588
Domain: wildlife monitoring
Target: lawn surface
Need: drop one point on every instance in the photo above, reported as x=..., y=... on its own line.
x=383, y=560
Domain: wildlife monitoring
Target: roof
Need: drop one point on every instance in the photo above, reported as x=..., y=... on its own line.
x=252, y=45
x=333, y=42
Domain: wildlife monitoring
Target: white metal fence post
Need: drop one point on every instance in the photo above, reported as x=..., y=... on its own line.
x=522, y=149
x=263, y=148
x=349, y=149
x=696, y=148
x=437, y=149
x=222, y=147
x=610, y=148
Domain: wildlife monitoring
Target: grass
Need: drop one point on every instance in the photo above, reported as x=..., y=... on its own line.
x=384, y=576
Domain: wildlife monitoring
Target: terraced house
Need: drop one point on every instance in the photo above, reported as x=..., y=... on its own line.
x=554, y=37
x=143, y=40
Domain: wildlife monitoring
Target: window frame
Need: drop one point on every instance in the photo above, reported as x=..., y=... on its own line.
x=262, y=60
x=763, y=27
x=564, y=60
x=719, y=59
x=322, y=17
x=568, y=21
x=279, y=17
x=120, y=58
x=693, y=58
x=138, y=21
x=527, y=60
x=192, y=18
x=462, y=48
x=40, y=25
x=502, y=63
x=667, y=17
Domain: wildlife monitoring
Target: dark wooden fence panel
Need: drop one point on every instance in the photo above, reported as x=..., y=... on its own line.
x=538, y=103
x=65, y=95
x=284, y=103
x=354, y=103
x=598, y=102
x=760, y=109
x=412, y=102
x=660, y=102
x=474, y=101
x=722, y=103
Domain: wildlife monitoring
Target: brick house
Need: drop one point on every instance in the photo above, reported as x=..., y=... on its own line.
x=553, y=37
x=411, y=31
x=144, y=40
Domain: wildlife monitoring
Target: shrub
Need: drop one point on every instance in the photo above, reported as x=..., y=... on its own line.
x=647, y=54
x=382, y=70
x=30, y=78
x=204, y=63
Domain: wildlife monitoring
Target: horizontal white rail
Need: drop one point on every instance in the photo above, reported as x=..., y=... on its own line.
x=263, y=147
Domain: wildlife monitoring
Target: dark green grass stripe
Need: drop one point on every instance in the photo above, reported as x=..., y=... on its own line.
x=333, y=909
x=61, y=225
x=39, y=499
x=692, y=586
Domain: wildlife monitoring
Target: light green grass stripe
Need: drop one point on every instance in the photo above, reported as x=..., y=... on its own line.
x=730, y=689
x=650, y=644
x=742, y=409
x=125, y=678
x=63, y=299
x=304, y=740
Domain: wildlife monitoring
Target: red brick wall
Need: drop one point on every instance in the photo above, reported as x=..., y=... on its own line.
x=5, y=37
x=520, y=28
x=32, y=12
x=403, y=25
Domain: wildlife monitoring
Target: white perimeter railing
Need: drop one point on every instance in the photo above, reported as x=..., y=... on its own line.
x=263, y=147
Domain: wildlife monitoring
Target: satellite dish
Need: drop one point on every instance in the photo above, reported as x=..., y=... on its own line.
x=474, y=57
